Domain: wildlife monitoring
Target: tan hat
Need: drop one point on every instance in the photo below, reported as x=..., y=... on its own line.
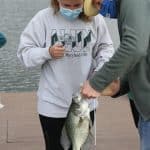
x=89, y=8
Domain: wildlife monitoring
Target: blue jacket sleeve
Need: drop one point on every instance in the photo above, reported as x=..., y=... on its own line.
x=2, y=40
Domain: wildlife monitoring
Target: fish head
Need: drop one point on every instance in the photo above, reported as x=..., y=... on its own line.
x=76, y=98
x=82, y=109
x=81, y=106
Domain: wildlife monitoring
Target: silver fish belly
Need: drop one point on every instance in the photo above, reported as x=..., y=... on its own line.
x=78, y=122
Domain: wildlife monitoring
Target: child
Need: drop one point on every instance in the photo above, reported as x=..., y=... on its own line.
x=67, y=44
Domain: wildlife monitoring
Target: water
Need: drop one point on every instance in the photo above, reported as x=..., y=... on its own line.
x=14, y=15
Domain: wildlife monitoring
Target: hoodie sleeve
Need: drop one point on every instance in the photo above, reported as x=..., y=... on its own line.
x=32, y=51
x=133, y=45
x=103, y=50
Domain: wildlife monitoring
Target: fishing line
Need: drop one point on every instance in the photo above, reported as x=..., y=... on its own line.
x=95, y=123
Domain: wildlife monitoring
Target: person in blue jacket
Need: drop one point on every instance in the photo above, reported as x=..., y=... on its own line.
x=2, y=40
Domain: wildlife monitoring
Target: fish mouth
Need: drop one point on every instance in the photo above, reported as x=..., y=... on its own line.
x=76, y=98
x=80, y=106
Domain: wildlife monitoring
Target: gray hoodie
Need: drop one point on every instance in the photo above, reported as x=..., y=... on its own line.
x=87, y=47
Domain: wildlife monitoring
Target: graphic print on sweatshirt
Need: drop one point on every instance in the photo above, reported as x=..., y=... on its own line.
x=76, y=42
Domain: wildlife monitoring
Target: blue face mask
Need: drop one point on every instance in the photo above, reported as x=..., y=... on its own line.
x=109, y=8
x=70, y=14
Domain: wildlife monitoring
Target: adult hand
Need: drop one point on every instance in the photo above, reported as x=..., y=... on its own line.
x=88, y=92
x=112, y=89
x=57, y=51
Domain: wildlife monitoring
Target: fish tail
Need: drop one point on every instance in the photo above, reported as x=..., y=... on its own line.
x=76, y=147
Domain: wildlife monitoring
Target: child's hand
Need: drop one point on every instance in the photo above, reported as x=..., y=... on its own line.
x=57, y=51
x=112, y=89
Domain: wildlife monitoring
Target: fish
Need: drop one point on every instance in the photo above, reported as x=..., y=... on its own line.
x=77, y=123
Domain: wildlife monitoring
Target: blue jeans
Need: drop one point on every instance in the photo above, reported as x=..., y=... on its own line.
x=144, y=133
